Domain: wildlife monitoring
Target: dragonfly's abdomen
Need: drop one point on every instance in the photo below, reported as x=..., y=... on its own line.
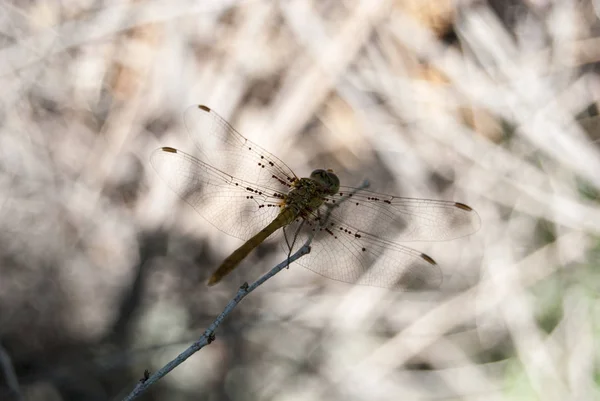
x=284, y=218
x=301, y=201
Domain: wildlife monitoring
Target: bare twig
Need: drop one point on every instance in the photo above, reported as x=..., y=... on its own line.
x=209, y=334
x=245, y=289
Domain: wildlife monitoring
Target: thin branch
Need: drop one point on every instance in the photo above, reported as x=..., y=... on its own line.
x=209, y=335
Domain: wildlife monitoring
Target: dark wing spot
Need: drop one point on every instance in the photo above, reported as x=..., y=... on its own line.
x=203, y=107
x=428, y=259
x=168, y=149
x=463, y=206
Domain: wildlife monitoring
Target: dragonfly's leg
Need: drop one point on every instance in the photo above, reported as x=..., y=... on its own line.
x=287, y=241
x=291, y=246
x=320, y=217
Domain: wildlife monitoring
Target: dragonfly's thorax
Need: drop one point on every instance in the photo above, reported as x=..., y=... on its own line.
x=309, y=194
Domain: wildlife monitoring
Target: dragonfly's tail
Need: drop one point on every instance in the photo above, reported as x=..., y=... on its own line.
x=239, y=254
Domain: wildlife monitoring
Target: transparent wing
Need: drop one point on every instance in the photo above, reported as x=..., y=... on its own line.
x=342, y=254
x=235, y=206
x=356, y=242
x=404, y=219
x=226, y=149
x=239, y=188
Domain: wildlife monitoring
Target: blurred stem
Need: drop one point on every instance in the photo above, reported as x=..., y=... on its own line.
x=9, y=374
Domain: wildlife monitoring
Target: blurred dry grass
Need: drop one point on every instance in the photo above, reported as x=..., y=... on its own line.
x=102, y=268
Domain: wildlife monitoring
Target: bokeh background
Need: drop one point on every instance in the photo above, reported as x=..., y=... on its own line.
x=102, y=268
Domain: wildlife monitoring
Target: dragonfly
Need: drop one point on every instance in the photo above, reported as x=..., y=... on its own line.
x=248, y=193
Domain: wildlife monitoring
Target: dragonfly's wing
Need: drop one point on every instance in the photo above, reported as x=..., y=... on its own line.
x=404, y=219
x=355, y=234
x=234, y=206
x=228, y=150
x=342, y=254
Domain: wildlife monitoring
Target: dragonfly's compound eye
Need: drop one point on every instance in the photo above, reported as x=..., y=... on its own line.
x=334, y=182
x=318, y=175
x=327, y=179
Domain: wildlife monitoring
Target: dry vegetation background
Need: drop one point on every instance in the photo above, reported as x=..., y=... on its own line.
x=102, y=267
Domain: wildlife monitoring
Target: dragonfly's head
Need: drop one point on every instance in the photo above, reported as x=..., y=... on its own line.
x=327, y=179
